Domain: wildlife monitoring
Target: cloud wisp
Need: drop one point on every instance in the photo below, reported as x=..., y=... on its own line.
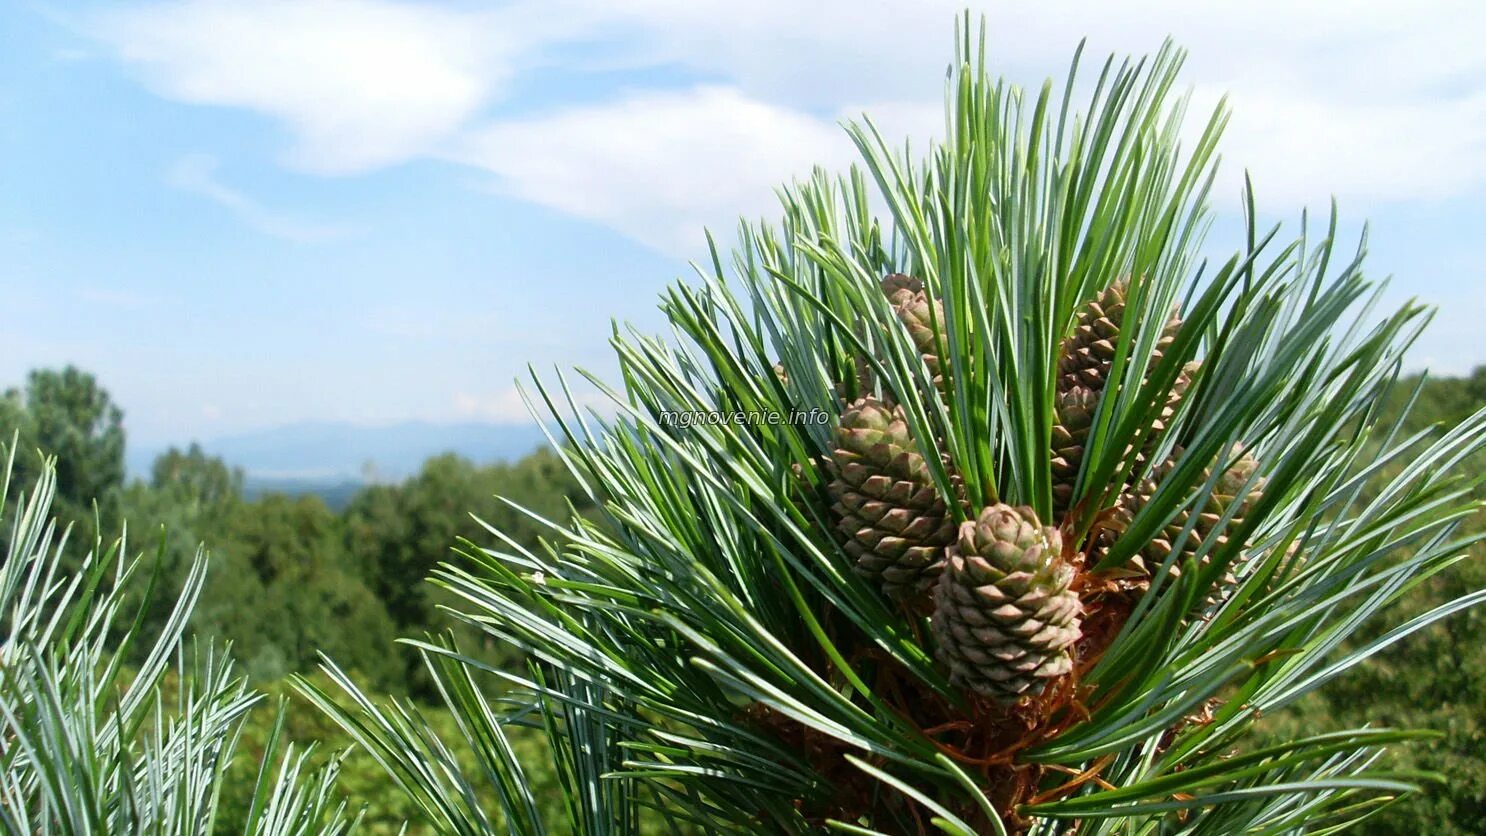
x=197, y=174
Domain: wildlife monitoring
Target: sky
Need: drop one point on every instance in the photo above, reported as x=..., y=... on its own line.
x=246, y=214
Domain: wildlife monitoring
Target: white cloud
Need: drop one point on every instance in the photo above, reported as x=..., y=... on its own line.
x=814, y=56
x=197, y=174
x=1303, y=149
x=1360, y=99
x=661, y=167
x=657, y=166
x=360, y=83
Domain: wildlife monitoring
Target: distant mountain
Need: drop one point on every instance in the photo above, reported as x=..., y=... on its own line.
x=336, y=493
x=330, y=452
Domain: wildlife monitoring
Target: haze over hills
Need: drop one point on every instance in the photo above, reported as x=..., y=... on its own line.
x=312, y=455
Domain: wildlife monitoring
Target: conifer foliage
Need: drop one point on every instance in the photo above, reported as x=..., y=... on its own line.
x=1087, y=507
x=105, y=729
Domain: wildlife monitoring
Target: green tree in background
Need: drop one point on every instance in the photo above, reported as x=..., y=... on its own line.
x=70, y=416
x=187, y=500
x=400, y=532
x=281, y=584
x=189, y=497
x=195, y=478
x=285, y=589
x=397, y=534
x=290, y=577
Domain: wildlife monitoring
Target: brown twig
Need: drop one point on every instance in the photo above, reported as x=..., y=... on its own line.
x=1090, y=774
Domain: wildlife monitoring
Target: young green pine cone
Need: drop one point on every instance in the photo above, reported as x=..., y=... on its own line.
x=1005, y=619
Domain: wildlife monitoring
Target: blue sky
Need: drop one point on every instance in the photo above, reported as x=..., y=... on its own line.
x=243, y=214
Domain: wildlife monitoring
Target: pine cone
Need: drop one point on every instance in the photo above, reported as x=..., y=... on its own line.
x=1083, y=372
x=1076, y=409
x=1090, y=349
x=1004, y=617
x=1227, y=490
x=890, y=516
x=912, y=306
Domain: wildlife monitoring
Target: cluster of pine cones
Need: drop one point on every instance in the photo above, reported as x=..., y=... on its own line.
x=1006, y=611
